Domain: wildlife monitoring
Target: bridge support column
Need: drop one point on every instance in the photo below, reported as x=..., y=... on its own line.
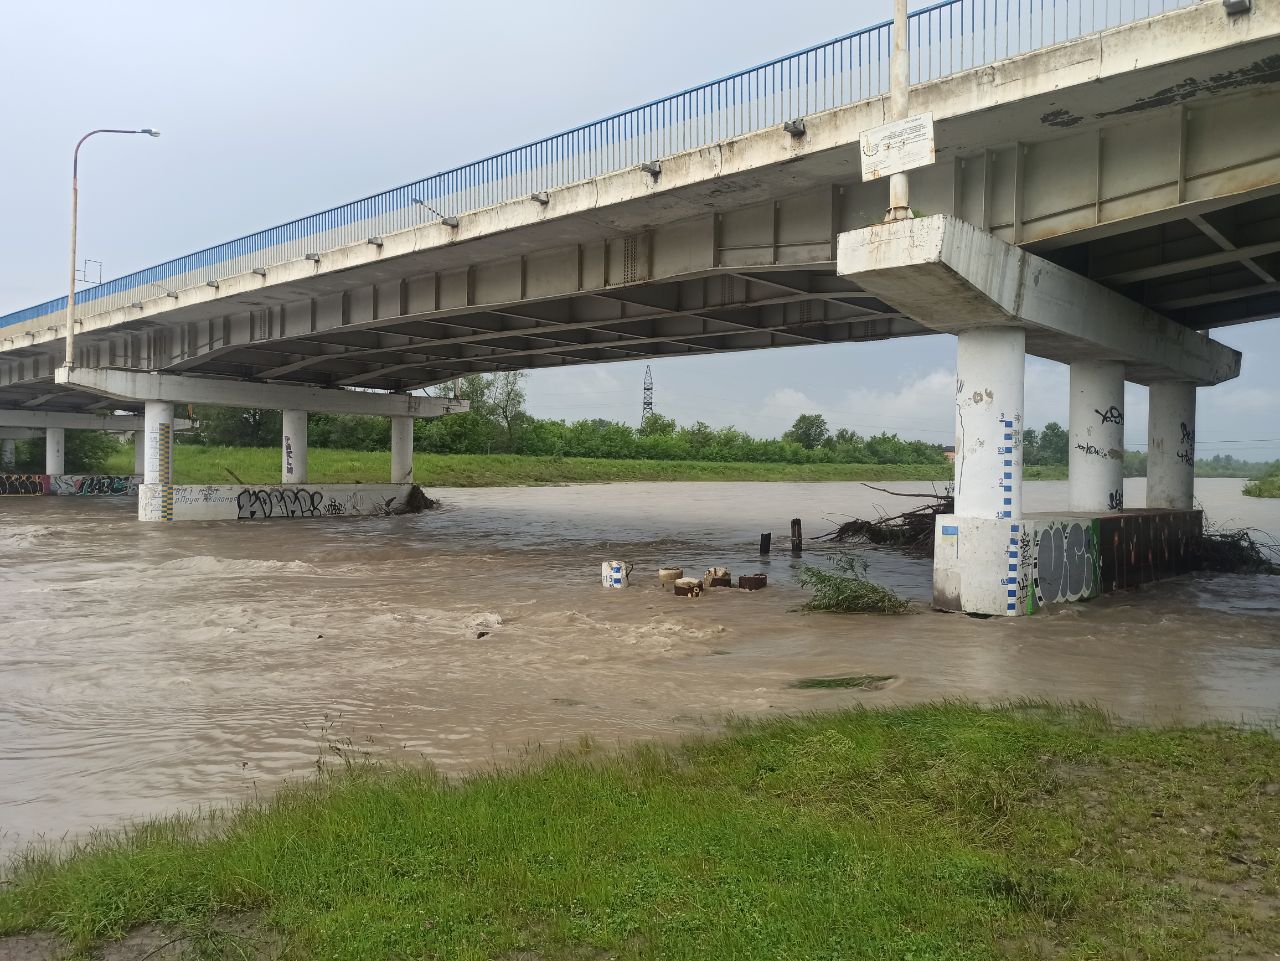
x=1096, y=448
x=990, y=372
x=8, y=454
x=402, y=450
x=1171, y=445
x=55, y=448
x=293, y=447
x=158, y=462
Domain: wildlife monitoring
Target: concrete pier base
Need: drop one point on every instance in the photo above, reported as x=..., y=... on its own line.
x=55, y=449
x=1171, y=445
x=191, y=502
x=293, y=447
x=1016, y=567
x=1096, y=449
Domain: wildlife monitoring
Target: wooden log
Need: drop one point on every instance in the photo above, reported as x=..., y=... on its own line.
x=752, y=582
x=797, y=536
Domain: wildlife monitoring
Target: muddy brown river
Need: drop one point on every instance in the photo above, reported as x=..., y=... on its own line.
x=148, y=668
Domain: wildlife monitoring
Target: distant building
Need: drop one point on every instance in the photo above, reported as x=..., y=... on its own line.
x=950, y=452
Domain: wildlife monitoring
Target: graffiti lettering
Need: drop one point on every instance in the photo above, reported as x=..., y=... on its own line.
x=1066, y=567
x=1112, y=415
x=24, y=484
x=90, y=485
x=1115, y=500
x=1091, y=451
x=1187, y=446
x=278, y=502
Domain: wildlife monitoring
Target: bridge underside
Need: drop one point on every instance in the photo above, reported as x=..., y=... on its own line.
x=1142, y=159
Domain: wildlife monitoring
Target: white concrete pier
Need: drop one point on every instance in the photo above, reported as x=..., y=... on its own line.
x=1096, y=448
x=158, y=465
x=293, y=447
x=1171, y=445
x=402, y=450
x=990, y=374
x=55, y=449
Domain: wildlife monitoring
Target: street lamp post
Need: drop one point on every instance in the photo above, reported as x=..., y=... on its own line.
x=75, y=200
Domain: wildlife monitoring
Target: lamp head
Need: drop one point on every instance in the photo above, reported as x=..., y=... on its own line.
x=149, y=132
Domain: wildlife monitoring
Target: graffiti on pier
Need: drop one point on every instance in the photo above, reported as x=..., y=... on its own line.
x=1065, y=563
x=1139, y=548
x=17, y=484
x=1112, y=415
x=93, y=485
x=284, y=502
x=1187, y=446
x=1115, y=500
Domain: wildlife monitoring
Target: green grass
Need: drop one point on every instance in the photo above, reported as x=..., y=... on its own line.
x=255, y=465
x=861, y=682
x=1268, y=486
x=932, y=832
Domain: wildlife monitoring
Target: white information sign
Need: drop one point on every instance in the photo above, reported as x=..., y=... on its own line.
x=898, y=146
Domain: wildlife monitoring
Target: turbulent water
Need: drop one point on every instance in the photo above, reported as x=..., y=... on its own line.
x=145, y=668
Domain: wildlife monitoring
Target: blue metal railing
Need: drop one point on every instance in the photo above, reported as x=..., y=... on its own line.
x=946, y=38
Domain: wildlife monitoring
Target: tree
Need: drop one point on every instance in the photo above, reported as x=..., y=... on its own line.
x=809, y=430
x=655, y=425
x=237, y=426
x=506, y=394
x=83, y=452
x=1053, y=444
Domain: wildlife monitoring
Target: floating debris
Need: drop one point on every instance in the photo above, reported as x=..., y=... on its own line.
x=669, y=575
x=858, y=682
x=753, y=582
x=911, y=530
x=717, y=577
x=688, y=587
x=846, y=590
x=1237, y=552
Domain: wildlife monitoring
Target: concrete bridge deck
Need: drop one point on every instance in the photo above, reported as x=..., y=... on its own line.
x=1135, y=157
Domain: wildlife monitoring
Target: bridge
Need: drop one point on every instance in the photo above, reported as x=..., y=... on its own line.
x=1105, y=190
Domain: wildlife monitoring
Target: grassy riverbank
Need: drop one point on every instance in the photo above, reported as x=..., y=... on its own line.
x=224, y=465
x=941, y=832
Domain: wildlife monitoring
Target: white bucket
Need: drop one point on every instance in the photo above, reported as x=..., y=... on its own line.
x=615, y=573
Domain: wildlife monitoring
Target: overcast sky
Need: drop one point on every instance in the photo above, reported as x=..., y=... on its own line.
x=275, y=110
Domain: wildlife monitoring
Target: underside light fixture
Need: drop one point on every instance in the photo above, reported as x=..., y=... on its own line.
x=449, y=221
x=1234, y=7
x=375, y=241
x=213, y=284
x=315, y=257
x=541, y=197
x=260, y=271
x=137, y=304
x=171, y=293
x=652, y=168
x=795, y=127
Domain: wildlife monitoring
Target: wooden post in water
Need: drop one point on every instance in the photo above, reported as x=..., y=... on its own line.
x=797, y=536
x=764, y=543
